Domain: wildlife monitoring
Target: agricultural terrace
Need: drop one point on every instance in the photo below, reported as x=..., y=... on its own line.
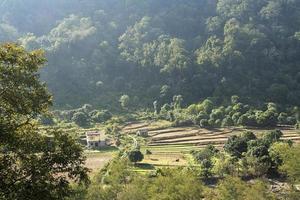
x=171, y=146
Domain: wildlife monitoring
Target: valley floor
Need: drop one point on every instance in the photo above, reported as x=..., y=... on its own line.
x=171, y=146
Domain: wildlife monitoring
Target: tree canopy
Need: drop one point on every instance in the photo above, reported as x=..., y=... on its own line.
x=33, y=164
x=197, y=49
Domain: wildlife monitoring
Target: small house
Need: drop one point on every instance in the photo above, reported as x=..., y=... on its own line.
x=95, y=139
x=142, y=132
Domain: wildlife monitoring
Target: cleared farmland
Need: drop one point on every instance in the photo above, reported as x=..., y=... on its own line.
x=172, y=145
x=215, y=137
x=96, y=160
x=200, y=137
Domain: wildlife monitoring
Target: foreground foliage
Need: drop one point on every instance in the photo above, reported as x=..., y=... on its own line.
x=32, y=165
x=117, y=181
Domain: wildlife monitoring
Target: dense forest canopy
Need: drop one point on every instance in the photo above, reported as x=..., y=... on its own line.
x=151, y=50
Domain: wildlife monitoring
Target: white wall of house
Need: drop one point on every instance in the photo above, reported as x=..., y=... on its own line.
x=95, y=140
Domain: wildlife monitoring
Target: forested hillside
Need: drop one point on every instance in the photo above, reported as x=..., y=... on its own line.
x=151, y=50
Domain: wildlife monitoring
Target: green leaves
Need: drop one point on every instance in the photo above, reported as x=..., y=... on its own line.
x=22, y=96
x=32, y=164
x=210, y=53
x=147, y=46
x=199, y=48
x=135, y=156
x=288, y=157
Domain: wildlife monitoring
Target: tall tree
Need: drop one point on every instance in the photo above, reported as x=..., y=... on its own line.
x=33, y=165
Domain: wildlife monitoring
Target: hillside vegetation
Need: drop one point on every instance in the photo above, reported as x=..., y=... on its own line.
x=149, y=100
x=152, y=49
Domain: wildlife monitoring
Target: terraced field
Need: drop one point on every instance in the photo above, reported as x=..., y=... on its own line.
x=170, y=144
x=200, y=137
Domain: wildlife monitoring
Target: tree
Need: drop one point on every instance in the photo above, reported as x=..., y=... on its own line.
x=135, y=156
x=204, y=123
x=101, y=116
x=32, y=164
x=204, y=158
x=272, y=137
x=81, y=119
x=177, y=101
x=282, y=118
x=47, y=120
x=200, y=49
x=171, y=55
x=227, y=121
x=229, y=188
x=288, y=159
x=235, y=99
x=235, y=188
x=223, y=164
x=110, y=181
x=132, y=42
x=176, y=184
x=237, y=145
x=125, y=101
x=267, y=118
x=254, y=166
x=137, y=190
x=211, y=53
